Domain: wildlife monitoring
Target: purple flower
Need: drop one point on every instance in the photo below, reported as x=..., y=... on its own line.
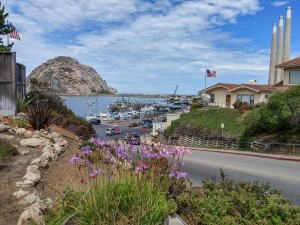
x=96, y=141
x=74, y=159
x=141, y=166
x=122, y=154
x=178, y=175
x=96, y=172
x=86, y=150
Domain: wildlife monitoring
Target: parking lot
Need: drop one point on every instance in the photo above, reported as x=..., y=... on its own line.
x=100, y=130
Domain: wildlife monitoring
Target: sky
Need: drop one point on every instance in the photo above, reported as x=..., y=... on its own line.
x=151, y=46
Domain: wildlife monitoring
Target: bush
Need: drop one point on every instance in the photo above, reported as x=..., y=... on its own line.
x=229, y=202
x=6, y=150
x=241, y=106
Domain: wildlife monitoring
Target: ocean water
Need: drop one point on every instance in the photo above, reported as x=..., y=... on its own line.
x=79, y=104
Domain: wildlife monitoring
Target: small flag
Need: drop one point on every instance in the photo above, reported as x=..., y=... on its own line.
x=210, y=73
x=14, y=34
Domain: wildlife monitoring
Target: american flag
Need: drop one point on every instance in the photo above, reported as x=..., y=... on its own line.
x=210, y=73
x=14, y=34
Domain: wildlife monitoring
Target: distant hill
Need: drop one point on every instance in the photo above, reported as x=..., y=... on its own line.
x=67, y=76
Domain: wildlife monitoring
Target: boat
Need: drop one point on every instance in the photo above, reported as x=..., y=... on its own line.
x=90, y=114
x=104, y=116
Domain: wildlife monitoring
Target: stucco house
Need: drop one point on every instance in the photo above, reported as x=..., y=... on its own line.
x=225, y=94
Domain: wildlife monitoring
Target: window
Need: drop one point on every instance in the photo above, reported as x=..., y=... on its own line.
x=294, y=77
x=245, y=98
x=266, y=96
x=212, y=97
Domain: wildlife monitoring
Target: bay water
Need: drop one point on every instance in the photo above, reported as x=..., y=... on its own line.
x=79, y=104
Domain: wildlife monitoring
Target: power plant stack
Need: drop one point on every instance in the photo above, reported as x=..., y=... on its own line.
x=277, y=77
x=287, y=35
x=273, y=56
x=279, y=55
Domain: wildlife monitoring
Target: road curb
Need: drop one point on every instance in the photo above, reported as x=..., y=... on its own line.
x=278, y=157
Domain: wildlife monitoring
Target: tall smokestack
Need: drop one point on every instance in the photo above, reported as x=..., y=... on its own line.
x=272, y=56
x=278, y=71
x=287, y=35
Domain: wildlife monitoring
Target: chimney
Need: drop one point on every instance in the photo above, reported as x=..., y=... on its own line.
x=287, y=35
x=252, y=82
x=278, y=71
x=272, y=57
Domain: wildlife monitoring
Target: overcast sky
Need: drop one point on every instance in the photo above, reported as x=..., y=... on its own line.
x=150, y=46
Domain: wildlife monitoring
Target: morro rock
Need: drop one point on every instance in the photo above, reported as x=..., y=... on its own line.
x=67, y=76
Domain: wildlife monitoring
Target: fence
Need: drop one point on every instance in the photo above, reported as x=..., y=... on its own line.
x=198, y=142
x=12, y=80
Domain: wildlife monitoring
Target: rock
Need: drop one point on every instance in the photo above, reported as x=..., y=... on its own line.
x=48, y=148
x=71, y=77
x=24, y=184
x=28, y=134
x=20, y=193
x=23, y=151
x=43, y=133
x=45, y=204
x=33, y=174
x=20, y=131
x=6, y=136
x=36, y=134
x=30, y=199
x=48, y=155
x=33, y=142
x=57, y=149
x=36, y=161
x=33, y=213
x=3, y=127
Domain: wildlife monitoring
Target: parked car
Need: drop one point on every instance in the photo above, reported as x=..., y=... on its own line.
x=133, y=138
x=113, y=131
x=95, y=121
x=133, y=124
x=143, y=121
x=148, y=125
x=163, y=119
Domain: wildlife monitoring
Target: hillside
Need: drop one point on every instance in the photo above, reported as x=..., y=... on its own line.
x=67, y=76
x=207, y=122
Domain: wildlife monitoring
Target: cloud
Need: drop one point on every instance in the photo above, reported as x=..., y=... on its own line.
x=132, y=43
x=280, y=3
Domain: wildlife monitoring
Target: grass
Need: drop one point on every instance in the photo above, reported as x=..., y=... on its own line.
x=7, y=150
x=211, y=120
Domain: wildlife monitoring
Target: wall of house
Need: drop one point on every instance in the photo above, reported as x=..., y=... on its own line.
x=258, y=97
x=220, y=96
x=286, y=78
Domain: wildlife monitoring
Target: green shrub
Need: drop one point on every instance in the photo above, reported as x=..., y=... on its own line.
x=6, y=150
x=229, y=202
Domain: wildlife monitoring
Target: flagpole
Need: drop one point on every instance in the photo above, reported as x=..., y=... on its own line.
x=205, y=80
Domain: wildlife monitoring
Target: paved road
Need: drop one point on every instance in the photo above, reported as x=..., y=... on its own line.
x=281, y=174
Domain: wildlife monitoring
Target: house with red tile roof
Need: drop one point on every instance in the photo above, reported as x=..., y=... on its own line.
x=225, y=95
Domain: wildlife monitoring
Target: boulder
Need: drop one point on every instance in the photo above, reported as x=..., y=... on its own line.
x=30, y=199
x=33, y=142
x=28, y=134
x=33, y=174
x=24, y=184
x=3, y=127
x=20, y=193
x=32, y=214
x=20, y=131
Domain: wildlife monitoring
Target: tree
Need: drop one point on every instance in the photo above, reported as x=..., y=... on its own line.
x=5, y=29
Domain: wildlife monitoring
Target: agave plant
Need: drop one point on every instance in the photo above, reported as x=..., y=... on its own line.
x=40, y=114
x=22, y=102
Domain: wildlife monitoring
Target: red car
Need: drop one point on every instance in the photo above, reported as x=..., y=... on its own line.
x=133, y=124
